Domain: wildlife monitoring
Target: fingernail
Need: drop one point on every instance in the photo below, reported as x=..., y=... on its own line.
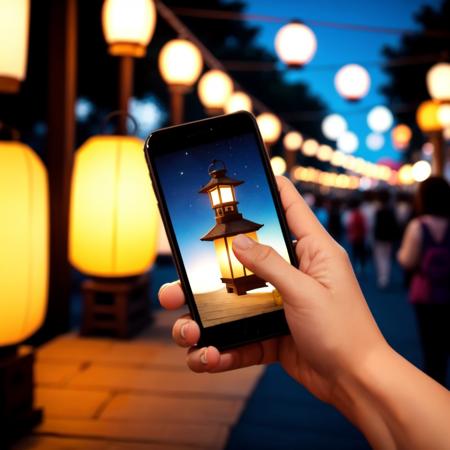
x=183, y=330
x=166, y=285
x=243, y=242
x=204, y=357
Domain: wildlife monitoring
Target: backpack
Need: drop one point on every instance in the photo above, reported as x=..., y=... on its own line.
x=431, y=283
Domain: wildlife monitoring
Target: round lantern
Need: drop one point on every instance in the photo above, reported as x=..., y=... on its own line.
x=324, y=153
x=380, y=119
x=270, y=127
x=421, y=170
x=310, y=147
x=292, y=141
x=180, y=63
x=128, y=26
x=214, y=89
x=333, y=126
x=238, y=101
x=278, y=165
x=295, y=44
x=438, y=82
x=114, y=218
x=352, y=82
x=444, y=115
x=405, y=175
x=401, y=136
x=348, y=142
x=427, y=116
x=375, y=141
x=24, y=239
x=14, y=25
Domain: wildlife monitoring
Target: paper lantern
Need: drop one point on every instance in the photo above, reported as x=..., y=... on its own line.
x=278, y=165
x=238, y=101
x=324, y=153
x=405, y=175
x=293, y=141
x=14, y=26
x=333, y=126
x=270, y=127
x=401, y=136
x=348, y=142
x=310, y=147
x=180, y=63
x=295, y=44
x=427, y=116
x=380, y=119
x=444, y=115
x=438, y=82
x=24, y=238
x=113, y=213
x=352, y=82
x=128, y=26
x=421, y=170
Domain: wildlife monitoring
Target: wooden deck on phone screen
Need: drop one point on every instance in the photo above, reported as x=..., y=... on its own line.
x=220, y=307
x=105, y=394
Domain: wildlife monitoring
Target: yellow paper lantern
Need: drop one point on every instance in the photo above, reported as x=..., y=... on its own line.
x=310, y=147
x=324, y=153
x=278, y=165
x=401, y=136
x=23, y=242
x=114, y=218
x=293, y=141
x=214, y=89
x=128, y=26
x=14, y=26
x=238, y=101
x=270, y=126
x=427, y=116
x=405, y=174
x=180, y=63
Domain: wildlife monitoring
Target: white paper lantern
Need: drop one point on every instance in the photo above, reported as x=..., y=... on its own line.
x=380, y=119
x=333, y=126
x=352, y=82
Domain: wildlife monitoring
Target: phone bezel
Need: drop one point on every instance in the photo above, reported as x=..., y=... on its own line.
x=175, y=138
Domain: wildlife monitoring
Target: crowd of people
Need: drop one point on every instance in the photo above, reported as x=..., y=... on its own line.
x=383, y=227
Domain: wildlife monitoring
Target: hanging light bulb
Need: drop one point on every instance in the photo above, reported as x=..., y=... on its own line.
x=333, y=126
x=295, y=44
x=238, y=101
x=352, y=82
x=380, y=119
x=374, y=141
x=293, y=141
x=348, y=142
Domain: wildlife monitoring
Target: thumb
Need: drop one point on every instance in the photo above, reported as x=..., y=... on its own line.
x=265, y=262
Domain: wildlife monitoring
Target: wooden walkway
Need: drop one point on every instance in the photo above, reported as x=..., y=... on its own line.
x=103, y=394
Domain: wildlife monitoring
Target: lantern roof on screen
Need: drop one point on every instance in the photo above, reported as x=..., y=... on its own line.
x=231, y=228
x=218, y=172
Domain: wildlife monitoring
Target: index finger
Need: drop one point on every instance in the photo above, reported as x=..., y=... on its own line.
x=301, y=220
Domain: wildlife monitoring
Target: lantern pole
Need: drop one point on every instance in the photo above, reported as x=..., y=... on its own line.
x=61, y=143
x=438, y=160
x=176, y=105
x=126, y=71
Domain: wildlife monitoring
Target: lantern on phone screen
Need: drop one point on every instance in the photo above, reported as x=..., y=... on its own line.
x=229, y=223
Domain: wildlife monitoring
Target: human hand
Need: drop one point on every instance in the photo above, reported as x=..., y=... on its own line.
x=332, y=329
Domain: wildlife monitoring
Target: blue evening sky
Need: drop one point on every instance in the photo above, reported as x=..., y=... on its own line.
x=339, y=47
x=182, y=175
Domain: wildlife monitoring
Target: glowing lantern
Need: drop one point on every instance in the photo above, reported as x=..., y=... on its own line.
x=295, y=44
x=229, y=223
x=180, y=63
x=401, y=136
x=23, y=242
x=214, y=89
x=438, y=82
x=292, y=141
x=352, y=82
x=14, y=25
x=374, y=141
x=334, y=126
x=278, y=165
x=270, y=126
x=114, y=218
x=405, y=175
x=324, y=153
x=310, y=147
x=421, y=170
x=348, y=142
x=444, y=115
x=238, y=101
x=338, y=159
x=380, y=119
x=128, y=26
x=427, y=116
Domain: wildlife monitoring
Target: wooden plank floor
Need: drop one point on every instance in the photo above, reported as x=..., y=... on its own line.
x=104, y=394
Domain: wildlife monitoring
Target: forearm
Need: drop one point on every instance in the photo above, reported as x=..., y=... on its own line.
x=395, y=405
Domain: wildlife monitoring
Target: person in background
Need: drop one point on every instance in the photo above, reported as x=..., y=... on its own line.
x=385, y=234
x=334, y=225
x=368, y=208
x=356, y=234
x=425, y=251
x=403, y=211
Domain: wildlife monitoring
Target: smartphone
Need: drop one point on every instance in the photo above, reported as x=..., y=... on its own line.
x=213, y=180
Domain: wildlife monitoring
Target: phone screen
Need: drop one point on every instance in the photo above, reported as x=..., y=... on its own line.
x=214, y=192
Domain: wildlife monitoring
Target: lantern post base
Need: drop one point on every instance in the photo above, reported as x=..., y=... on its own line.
x=241, y=285
x=118, y=307
x=17, y=414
